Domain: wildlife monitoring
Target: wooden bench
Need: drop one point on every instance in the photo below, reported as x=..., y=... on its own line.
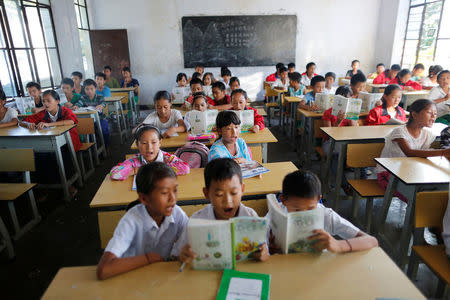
x=86, y=128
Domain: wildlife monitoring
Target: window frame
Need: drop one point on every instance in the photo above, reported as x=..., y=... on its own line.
x=87, y=28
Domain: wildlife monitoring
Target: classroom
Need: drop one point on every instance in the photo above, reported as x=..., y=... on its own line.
x=225, y=149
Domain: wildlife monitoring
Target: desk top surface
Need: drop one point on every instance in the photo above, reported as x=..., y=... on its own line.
x=349, y=133
x=19, y=131
x=114, y=98
x=127, y=89
x=319, y=114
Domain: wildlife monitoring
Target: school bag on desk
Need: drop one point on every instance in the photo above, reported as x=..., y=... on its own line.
x=445, y=138
x=195, y=154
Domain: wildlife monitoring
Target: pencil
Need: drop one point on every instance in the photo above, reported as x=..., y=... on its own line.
x=182, y=267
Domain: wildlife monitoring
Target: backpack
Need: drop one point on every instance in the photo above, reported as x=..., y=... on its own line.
x=195, y=154
x=445, y=138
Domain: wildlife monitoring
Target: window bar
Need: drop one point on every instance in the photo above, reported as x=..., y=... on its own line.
x=420, y=33
x=8, y=51
x=406, y=32
x=56, y=42
x=31, y=50
x=46, y=48
x=439, y=29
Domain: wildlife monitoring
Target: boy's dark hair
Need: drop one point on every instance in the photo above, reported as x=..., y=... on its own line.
x=78, y=74
x=218, y=84
x=402, y=73
x=225, y=72
x=233, y=79
x=221, y=169
x=162, y=95
x=380, y=65
x=52, y=93
x=149, y=174
x=331, y=74
x=291, y=65
x=358, y=77
x=33, y=84
x=227, y=117
x=355, y=61
x=316, y=79
x=419, y=66
x=239, y=91
x=107, y=67
x=2, y=95
x=278, y=66
x=195, y=81
x=435, y=69
x=100, y=74
x=310, y=64
x=417, y=106
x=180, y=76
x=67, y=81
x=344, y=91
x=208, y=74
x=126, y=69
x=295, y=76
x=199, y=66
x=199, y=95
x=196, y=75
x=283, y=69
x=301, y=183
x=89, y=82
x=396, y=67
x=442, y=73
x=143, y=128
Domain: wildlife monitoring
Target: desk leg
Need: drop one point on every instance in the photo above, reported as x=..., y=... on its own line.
x=382, y=215
x=281, y=113
x=62, y=173
x=99, y=128
x=327, y=173
x=407, y=228
x=134, y=110
x=73, y=155
x=125, y=122
x=339, y=174
x=264, y=152
x=310, y=143
x=117, y=104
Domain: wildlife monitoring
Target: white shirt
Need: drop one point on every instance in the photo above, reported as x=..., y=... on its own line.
x=392, y=149
x=330, y=91
x=11, y=113
x=137, y=233
x=54, y=118
x=437, y=93
x=154, y=120
x=427, y=82
x=279, y=83
x=306, y=81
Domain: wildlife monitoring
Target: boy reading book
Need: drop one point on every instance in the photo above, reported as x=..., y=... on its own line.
x=199, y=103
x=34, y=90
x=239, y=101
x=220, y=99
x=196, y=87
x=302, y=192
x=317, y=85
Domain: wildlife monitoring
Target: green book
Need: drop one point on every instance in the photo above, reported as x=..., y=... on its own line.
x=237, y=285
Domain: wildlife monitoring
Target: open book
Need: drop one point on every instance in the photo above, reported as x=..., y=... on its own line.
x=351, y=107
x=62, y=96
x=219, y=244
x=202, y=122
x=324, y=101
x=247, y=118
x=25, y=105
x=394, y=121
x=207, y=89
x=252, y=169
x=291, y=230
x=243, y=285
x=369, y=100
x=180, y=93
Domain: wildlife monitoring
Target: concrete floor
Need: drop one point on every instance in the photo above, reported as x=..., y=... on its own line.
x=68, y=232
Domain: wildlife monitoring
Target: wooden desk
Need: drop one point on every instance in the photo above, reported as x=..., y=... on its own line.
x=293, y=105
x=116, y=103
x=377, y=87
x=359, y=275
x=409, y=97
x=345, y=81
x=99, y=147
x=410, y=175
x=45, y=140
x=252, y=139
x=131, y=103
x=262, y=112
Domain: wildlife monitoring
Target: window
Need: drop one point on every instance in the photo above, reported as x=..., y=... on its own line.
x=427, y=39
x=85, y=40
x=28, y=50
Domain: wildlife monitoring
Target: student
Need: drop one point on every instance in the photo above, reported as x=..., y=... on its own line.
x=147, y=232
x=357, y=84
x=220, y=99
x=234, y=84
x=225, y=73
x=330, y=78
x=302, y=192
x=283, y=81
x=129, y=81
x=291, y=68
x=200, y=103
x=229, y=144
x=403, y=79
x=239, y=101
x=196, y=87
x=308, y=75
x=386, y=76
x=412, y=139
x=8, y=115
x=102, y=89
x=207, y=82
x=380, y=69
x=440, y=95
x=67, y=88
x=91, y=99
x=77, y=78
x=181, y=80
x=53, y=115
x=276, y=75
x=169, y=121
x=148, y=139
x=417, y=72
x=296, y=89
x=317, y=85
x=34, y=90
x=355, y=69
x=431, y=80
x=224, y=189
x=389, y=109
x=196, y=75
x=110, y=81
x=199, y=68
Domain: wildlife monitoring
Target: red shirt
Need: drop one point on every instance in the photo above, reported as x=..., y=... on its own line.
x=272, y=77
x=382, y=78
x=258, y=119
x=410, y=83
x=225, y=100
x=379, y=115
x=327, y=116
x=64, y=113
x=190, y=99
x=315, y=74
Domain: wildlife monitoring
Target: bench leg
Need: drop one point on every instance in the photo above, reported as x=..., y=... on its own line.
x=369, y=212
x=81, y=163
x=440, y=289
x=7, y=240
x=355, y=197
x=413, y=265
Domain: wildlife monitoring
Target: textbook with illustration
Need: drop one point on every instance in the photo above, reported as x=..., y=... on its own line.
x=202, y=122
x=394, y=121
x=369, y=100
x=243, y=285
x=291, y=230
x=351, y=107
x=207, y=89
x=180, y=93
x=62, y=96
x=324, y=101
x=247, y=118
x=25, y=105
x=252, y=169
x=219, y=244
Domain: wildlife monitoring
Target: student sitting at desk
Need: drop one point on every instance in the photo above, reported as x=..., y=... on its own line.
x=441, y=96
x=199, y=103
x=417, y=72
x=355, y=70
x=296, y=89
x=199, y=68
x=380, y=69
x=166, y=119
x=301, y=192
x=403, y=79
x=110, y=81
x=412, y=139
x=317, y=84
x=330, y=78
x=8, y=115
x=357, y=84
x=239, y=101
x=229, y=144
x=77, y=78
x=276, y=75
x=386, y=76
x=225, y=75
x=291, y=67
x=308, y=74
x=102, y=89
x=224, y=189
x=283, y=81
x=67, y=88
x=148, y=139
x=220, y=99
x=129, y=81
x=147, y=232
x=207, y=82
x=181, y=80
x=389, y=108
x=34, y=90
x=196, y=87
x=234, y=84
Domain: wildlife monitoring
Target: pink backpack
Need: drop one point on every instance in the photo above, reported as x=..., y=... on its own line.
x=195, y=154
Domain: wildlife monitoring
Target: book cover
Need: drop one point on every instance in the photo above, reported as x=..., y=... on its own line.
x=248, y=234
x=247, y=118
x=243, y=285
x=369, y=100
x=324, y=101
x=252, y=169
x=25, y=105
x=351, y=107
x=180, y=94
x=202, y=122
x=62, y=96
x=207, y=89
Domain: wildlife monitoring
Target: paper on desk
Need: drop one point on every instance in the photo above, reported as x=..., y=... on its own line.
x=164, y=130
x=244, y=288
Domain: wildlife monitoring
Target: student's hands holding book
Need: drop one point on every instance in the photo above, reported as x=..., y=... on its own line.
x=340, y=118
x=324, y=240
x=314, y=107
x=273, y=247
x=378, y=103
x=262, y=254
x=186, y=254
x=254, y=129
x=29, y=125
x=240, y=160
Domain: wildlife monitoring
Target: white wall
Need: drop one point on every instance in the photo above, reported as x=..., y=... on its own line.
x=329, y=32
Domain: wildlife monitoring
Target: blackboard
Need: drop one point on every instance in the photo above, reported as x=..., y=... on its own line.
x=236, y=41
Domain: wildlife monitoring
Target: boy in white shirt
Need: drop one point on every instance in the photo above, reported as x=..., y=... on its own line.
x=224, y=188
x=148, y=231
x=330, y=78
x=441, y=96
x=302, y=191
x=283, y=81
